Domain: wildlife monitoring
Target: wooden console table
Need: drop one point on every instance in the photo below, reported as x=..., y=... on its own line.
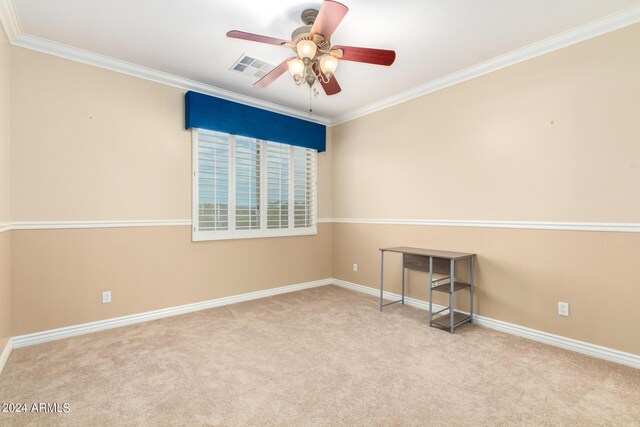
x=438, y=262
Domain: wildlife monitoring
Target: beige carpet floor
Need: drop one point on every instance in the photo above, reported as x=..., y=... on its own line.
x=324, y=356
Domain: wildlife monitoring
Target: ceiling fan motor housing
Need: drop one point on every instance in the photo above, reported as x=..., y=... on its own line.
x=303, y=32
x=309, y=16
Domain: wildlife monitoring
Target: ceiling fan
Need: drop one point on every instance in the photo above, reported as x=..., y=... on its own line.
x=316, y=59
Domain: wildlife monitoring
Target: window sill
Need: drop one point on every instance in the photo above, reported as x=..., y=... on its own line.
x=204, y=236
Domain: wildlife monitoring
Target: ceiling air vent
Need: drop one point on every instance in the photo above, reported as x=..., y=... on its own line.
x=251, y=67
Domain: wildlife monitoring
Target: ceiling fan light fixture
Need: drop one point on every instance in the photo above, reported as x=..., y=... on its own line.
x=296, y=68
x=328, y=64
x=306, y=49
x=316, y=60
x=310, y=79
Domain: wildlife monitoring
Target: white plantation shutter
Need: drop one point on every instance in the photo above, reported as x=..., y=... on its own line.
x=244, y=187
x=247, y=183
x=213, y=181
x=303, y=186
x=278, y=185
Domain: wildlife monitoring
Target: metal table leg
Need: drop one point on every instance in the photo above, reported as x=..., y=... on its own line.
x=452, y=279
x=471, y=290
x=381, y=278
x=430, y=289
x=403, y=279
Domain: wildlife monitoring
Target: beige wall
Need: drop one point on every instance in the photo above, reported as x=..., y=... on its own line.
x=5, y=238
x=325, y=180
x=91, y=144
x=552, y=139
x=520, y=275
x=5, y=133
x=109, y=146
x=58, y=275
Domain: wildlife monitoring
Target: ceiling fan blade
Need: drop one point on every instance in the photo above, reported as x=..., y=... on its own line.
x=364, y=54
x=330, y=88
x=268, y=78
x=328, y=19
x=235, y=34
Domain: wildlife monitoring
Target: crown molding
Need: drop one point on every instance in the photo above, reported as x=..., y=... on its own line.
x=49, y=47
x=11, y=23
x=9, y=19
x=576, y=35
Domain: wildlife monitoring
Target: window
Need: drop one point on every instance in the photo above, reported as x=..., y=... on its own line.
x=245, y=187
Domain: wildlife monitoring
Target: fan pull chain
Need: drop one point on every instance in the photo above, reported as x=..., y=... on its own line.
x=313, y=92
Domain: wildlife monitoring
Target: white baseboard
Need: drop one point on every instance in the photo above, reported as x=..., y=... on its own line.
x=86, y=328
x=4, y=356
x=413, y=302
x=589, y=349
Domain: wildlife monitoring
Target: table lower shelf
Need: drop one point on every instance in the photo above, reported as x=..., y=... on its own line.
x=457, y=286
x=443, y=320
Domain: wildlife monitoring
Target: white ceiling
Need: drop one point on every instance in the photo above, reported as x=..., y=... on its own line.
x=432, y=38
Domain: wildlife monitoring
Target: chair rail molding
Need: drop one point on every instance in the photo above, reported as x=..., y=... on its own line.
x=621, y=227
x=55, y=225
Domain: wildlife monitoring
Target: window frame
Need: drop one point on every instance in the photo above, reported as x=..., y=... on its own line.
x=262, y=231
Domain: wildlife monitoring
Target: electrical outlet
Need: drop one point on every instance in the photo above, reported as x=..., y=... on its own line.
x=106, y=297
x=355, y=267
x=563, y=308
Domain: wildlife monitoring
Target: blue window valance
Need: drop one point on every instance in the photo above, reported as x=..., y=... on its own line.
x=209, y=112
